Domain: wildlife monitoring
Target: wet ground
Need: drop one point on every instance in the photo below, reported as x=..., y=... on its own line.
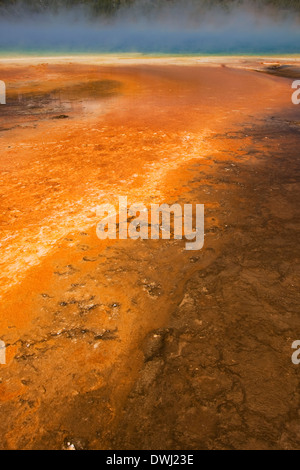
x=219, y=376
x=141, y=344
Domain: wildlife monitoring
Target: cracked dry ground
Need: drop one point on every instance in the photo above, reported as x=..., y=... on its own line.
x=220, y=376
x=143, y=345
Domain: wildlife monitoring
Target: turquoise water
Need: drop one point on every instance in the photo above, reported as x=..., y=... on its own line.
x=21, y=53
x=168, y=30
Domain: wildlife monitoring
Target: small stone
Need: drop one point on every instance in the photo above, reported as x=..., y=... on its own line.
x=153, y=344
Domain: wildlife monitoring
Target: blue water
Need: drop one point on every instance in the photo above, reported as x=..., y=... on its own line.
x=241, y=32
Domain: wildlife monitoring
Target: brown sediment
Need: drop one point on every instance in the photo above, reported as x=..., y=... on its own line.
x=284, y=71
x=76, y=312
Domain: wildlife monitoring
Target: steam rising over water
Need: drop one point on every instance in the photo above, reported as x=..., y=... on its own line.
x=180, y=28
